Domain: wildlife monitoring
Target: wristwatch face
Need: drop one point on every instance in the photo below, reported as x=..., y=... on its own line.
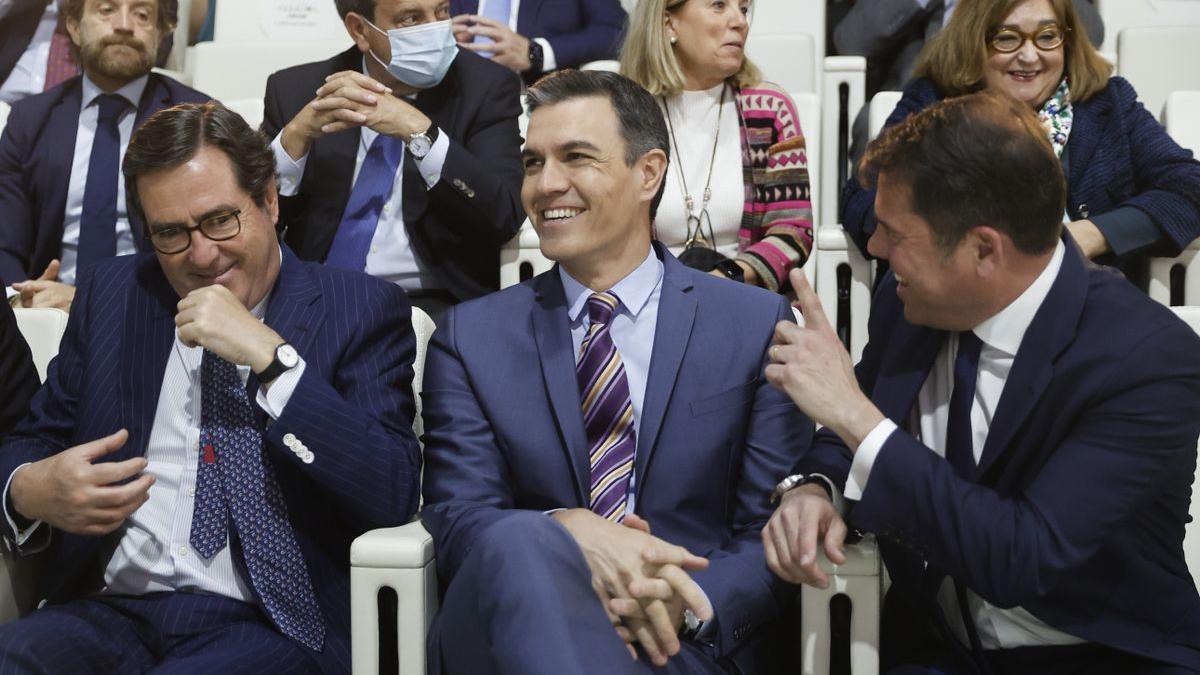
x=287, y=355
x=419, y=145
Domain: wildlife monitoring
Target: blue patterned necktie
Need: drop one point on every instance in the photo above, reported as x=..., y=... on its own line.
x=98, y=222
x=498, y=11
x=960, y=448
x=607, y=411
x=371, y=191
x=234, y=479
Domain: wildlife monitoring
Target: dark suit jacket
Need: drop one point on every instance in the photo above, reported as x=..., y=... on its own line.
x=1123, y=172
x=504, y=431
x=1077, y=509
x=353, y=409
x=578, y=30
x=459, y=225
x=18, y=376
x=36, y=152
x=18, y=27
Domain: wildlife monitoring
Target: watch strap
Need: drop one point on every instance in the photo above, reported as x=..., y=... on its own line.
x=274, y=370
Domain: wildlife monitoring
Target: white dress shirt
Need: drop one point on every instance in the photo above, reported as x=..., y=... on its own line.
x=153, y=552
x=391, y=256
x=28, y=76
x=548, y=61
x=1001, y=336
x=89, y=116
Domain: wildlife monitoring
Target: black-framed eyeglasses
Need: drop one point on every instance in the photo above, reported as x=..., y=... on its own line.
x=177, y=238
x=1047, y=38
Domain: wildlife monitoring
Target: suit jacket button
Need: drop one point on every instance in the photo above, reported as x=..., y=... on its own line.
x=289, y=439
x=457, y=183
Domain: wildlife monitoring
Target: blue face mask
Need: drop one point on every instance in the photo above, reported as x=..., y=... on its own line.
x=421, y=55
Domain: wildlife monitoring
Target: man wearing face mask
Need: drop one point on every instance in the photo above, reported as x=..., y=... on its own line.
x=406, y=163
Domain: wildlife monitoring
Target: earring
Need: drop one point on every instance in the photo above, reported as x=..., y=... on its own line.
x=674, y=39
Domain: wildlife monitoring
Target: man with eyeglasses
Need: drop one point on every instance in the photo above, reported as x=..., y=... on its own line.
x=400, y=156
x=220, y=423
x=61, y=192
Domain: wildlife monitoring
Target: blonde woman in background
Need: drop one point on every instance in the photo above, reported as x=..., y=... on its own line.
x=738, y=183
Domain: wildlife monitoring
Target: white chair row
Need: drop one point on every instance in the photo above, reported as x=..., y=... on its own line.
x=1146, y=56
x=1119, y=15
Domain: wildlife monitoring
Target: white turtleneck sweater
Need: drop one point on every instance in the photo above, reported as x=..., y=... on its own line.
x=693, y=117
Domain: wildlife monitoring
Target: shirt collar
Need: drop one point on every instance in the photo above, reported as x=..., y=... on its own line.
x=1005, y=329
x=634, y=290
x=131, y=92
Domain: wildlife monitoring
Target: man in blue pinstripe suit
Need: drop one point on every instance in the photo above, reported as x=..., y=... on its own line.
x=221, y=421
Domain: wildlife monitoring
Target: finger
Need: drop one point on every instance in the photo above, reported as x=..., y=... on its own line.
x=360, y=79
x=636, y=522
x=694, y=597
x=664, y=629
x=346, y=97
x=651, y=589
x=786, y=334
x=661, y=553
x=347, y=91
x=809, y=303
x=479, y=47
x=645, y=635
x=488, y=23
x=101, y=446
x=835, y=537
x=119, y=496
x=461, y=20
x=334, y=127
x=627, y=608
x=804, y=553
x=772, y=556
x=110, y=473
x=781, y=546
x=33, y=285
x=45, y=300
x=51, y=271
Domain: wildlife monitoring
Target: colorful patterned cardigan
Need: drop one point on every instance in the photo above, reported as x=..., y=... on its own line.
x=777, y=231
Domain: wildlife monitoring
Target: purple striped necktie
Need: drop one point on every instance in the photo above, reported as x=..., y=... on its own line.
x=607, y=410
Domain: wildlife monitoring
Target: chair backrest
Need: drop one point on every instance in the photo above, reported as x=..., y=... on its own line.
x=230, y=71
x=423, y=327
x=882, y=105
x=789, y=61
x=251, y=110
x=4, y=108
x=42, y=328
x=790, y=17
x=1182, y=119
x=1143, y=55
x=252, y=20
x=808, y=108
x=1191, y=538
x=1121, y=14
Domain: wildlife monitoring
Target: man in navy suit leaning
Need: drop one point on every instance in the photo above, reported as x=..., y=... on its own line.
x=617, y=394
x=221, y=421
x=1021, y=436
x=61, y=189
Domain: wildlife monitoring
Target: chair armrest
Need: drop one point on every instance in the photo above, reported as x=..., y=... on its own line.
x=853, y=645
x=406, y=547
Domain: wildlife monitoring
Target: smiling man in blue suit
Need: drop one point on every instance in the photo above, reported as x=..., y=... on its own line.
x=616, y=393
x=1021, y=435
x=221, y=421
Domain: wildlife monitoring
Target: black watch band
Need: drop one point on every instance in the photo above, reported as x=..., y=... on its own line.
x=731, y=270
x=536, y=57
x=285, y=359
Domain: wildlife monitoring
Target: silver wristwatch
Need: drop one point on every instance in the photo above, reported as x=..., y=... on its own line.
x=794, y=480
x=691, y=623
x=420, y=144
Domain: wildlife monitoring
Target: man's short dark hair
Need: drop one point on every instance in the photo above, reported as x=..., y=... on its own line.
x=980, y=159
x=173, y=136
x=639, y=118
x=363, y=7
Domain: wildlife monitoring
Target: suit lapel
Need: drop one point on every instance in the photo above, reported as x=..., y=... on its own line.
x=905, y=368
x=527, y=13
x=293, y=309
x=1052, y=330
x=62, y=129
x=676, y=314
x=552, y=333
x=149, y=333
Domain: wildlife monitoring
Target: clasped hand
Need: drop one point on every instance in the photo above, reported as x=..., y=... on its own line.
x=351, y=99
x=641, y=580
x=46, y=290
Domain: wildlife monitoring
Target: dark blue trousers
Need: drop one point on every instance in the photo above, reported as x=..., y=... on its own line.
x=522, y=604
x=156, y=633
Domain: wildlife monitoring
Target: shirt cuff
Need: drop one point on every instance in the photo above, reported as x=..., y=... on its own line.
x=548, y=61
x=707, y=628
x=274, y=398
x=22, y=536
x=290, y=170
x=864, y=459
x=430, y=167
x=10, y=292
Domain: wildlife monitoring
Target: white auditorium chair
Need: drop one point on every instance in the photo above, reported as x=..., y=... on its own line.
x=42, y=328
x=1182, y=118
x=258, y=20
x=4, y=110
x=1118, y=15
x=522, y=251
x=608, y=65
x=1144, y=55
x=238, y=70
x=251, y=110
x=399, y=558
